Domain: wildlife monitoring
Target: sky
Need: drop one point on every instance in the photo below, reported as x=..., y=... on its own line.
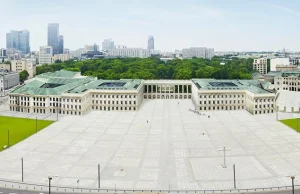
x=225, y=25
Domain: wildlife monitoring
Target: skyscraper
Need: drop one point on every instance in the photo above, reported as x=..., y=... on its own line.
x=18, y=40
x=61, y=44
x=53, y=37
x=150, y=43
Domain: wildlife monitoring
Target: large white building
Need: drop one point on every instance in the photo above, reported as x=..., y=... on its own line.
x=24, y=64
x=200, y=52
x=108, y=44
x=69, y=93
x=288, y=80
x=45, y=55
x=260, y=65
x=129, y=52
x=62, y=57
x=279, y=64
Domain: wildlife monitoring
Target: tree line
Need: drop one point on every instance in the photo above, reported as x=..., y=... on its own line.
x=154, y=68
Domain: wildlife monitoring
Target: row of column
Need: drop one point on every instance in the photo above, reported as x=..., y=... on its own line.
x=168, y=89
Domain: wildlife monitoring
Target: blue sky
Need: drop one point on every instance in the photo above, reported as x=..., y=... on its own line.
x=175, y=24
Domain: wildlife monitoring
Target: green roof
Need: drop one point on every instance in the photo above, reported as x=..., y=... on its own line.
x=58, y=74
x=44, y=84
x=290, y=73
x=123, y=84
x=253, y=86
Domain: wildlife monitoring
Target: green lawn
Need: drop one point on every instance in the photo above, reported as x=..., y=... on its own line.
x=292, y=123
x=19, y=129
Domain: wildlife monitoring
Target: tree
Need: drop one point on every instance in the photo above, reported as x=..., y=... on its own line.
x=2, y=60
x=7, y=62
x=154, y=68
x=23, y=75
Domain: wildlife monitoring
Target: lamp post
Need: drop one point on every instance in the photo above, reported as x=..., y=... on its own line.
x=224, y=149
x=293, y=178
x=22, y=170
x=49, y=178
x=7, y=137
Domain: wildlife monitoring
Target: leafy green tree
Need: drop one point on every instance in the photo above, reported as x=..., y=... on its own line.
x=23, y=75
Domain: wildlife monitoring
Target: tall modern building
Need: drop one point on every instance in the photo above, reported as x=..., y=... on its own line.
x=61, y=44
x=53, y=37
x=108, y=44
x=150, y=43
x=18, y=40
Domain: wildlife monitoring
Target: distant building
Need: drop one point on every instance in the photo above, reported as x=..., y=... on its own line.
x=61, y=44
x=93, y=47
x=67, y=51
x=2, y=52
x=45, y=55
x=129, y=52
x=8, y=79
x=260, y=65
x=279, y=63
x=18, y=40
x=92, y=55
x=108, y=44
x=53, y=37
x=62, y=57
x=24, y=64
x=77, y=53
x=200, y=52
x=289, y=80
x=150, y=43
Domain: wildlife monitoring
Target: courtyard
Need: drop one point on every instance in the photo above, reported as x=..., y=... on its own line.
x=164, y=145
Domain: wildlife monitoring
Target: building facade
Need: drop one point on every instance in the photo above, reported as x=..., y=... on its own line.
x=108, y=44
x=18, y=40
x=288, y=81
x=129, y=52
x=200, y=52
x=53, y=37
x=24, y=64
x=8, y=79
x=70, y=93
x=150, y=43
x=61, y=44
x=45, y=55
x=62, y=57
x=2, y=52
x=279, y=63
x=260, y=65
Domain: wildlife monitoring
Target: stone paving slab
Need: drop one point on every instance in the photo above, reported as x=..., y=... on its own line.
x=176, y=149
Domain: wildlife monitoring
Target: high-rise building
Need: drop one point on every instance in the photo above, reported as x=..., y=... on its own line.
x=61, y=44
x=150, y=43
x=108, y=44
x=18, y=40
x=45, y=55
x=53, y=37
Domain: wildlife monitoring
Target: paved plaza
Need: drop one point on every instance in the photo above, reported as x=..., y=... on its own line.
x=164, y=145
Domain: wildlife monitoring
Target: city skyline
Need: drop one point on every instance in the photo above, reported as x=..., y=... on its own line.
x=225, y=26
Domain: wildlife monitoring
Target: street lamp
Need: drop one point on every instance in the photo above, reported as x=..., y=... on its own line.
x=293, y=178
x=7, y=137
x=49, y=178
